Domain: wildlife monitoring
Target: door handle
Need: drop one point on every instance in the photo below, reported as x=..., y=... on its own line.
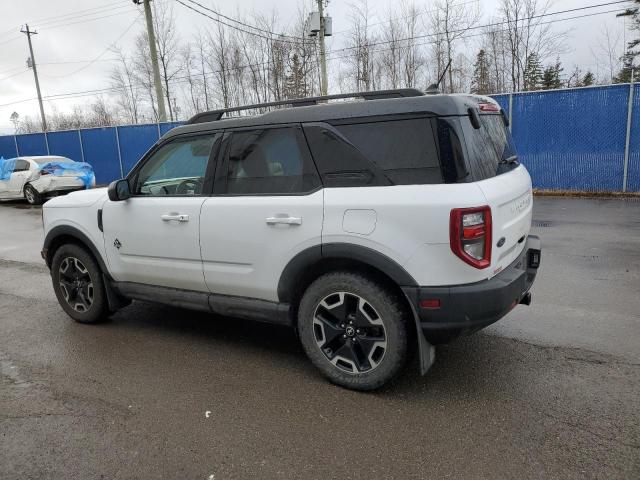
x=284, y=220
x=178, y=218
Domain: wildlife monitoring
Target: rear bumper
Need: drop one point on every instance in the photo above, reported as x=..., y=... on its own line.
x=473, y=306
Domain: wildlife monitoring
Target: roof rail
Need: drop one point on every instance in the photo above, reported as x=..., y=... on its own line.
x=214, y=115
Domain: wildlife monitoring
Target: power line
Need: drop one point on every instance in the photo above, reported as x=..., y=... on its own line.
x=81, y=13
x=14, y=75
x=419, y=14
x=51, y=27
x=68, y=16
x=269, y=32
x=280, y=39
x=182, y=79
x=496, y=24
x=91, y=62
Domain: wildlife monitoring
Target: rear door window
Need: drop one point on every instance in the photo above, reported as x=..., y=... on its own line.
x=21, y=166
x=270, y=161
x=405, y=150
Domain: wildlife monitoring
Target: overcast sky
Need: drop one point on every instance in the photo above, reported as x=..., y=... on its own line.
x=74, y=36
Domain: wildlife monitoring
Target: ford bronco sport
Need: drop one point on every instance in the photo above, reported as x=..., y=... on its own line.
x=372, y=227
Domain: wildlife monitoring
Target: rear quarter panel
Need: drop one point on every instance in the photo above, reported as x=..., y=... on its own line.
x=410, y=226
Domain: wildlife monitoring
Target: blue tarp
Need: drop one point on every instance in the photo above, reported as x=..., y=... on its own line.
x=84, y=170
x=6, y=167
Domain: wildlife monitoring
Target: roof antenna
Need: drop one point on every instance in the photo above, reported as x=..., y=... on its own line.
x=435, y=87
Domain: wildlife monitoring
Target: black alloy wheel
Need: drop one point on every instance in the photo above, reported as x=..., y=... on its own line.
x=76, y=284
x=349, y=332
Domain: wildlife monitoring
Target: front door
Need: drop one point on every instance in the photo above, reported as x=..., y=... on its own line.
x=266, y=208
x=153, y=237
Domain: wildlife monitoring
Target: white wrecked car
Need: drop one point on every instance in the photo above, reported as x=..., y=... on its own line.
x=36, y=178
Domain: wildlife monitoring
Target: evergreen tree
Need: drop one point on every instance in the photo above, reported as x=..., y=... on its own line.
x=481, y=83
x=634, y=13
x=533, y=72
x=624, y=75
x=295, y=85
x=588, y=79
x=552, y=76
x=575, y=79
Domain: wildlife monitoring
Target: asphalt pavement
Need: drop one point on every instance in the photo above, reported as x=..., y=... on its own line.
x=550, y=391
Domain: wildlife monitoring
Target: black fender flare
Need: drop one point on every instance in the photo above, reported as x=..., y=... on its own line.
x=305, y=259
x=69, y=231
x=114, y=299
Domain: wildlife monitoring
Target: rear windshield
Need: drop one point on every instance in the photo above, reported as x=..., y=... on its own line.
x=490, y=148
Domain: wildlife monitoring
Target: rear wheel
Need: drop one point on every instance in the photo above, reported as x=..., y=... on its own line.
x=32, y=195
x=77, y=282
x=353, y=330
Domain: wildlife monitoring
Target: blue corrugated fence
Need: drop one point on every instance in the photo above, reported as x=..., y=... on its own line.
x=573, y=139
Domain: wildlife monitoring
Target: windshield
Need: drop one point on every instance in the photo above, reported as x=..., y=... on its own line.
x=489, y=147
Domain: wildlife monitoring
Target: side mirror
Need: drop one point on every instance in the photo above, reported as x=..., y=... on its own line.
x=119, y=190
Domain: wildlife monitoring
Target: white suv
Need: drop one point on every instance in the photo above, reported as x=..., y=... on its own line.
x=371, y=227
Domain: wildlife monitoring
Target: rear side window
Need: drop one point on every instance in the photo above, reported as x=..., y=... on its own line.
x=339, y=162
x=270, y=161
x=405, y=150
x=21, y=166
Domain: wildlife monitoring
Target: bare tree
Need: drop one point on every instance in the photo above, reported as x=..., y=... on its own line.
x=608, y=52
x=359, y=37
x=127, y=89
x=527, y=31
x=144, y=72
x=168, y=46
x=451, y=21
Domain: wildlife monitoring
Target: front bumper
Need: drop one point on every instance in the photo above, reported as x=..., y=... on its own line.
x=471, y=307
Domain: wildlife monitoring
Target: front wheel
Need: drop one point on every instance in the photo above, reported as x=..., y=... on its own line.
x=353, y=329
x=78, y=285
x=32, y=195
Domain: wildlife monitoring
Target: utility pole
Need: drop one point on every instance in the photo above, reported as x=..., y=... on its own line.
x=32, y=59
x=323, y=59
x=162, y=114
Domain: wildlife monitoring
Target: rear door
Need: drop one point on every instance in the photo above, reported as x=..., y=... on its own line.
x=21, y=173
x=267, y=207
x=154, y=237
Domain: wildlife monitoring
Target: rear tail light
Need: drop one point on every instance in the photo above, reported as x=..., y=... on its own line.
x=470, y=235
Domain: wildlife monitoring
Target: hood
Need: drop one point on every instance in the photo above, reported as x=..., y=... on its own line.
x=80, y=198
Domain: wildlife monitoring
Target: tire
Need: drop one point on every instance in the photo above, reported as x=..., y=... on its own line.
x=365, y=354
x=78, y=284
x=32, y=196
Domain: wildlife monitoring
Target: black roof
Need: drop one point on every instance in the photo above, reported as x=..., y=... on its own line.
x=311, y=110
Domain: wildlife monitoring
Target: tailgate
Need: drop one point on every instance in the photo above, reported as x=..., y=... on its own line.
x=510, y=198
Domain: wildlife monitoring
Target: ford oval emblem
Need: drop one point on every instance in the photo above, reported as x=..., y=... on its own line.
x=500, y=242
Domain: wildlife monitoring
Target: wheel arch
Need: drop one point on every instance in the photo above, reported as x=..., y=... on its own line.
x=62, y=234
x=309, y=264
